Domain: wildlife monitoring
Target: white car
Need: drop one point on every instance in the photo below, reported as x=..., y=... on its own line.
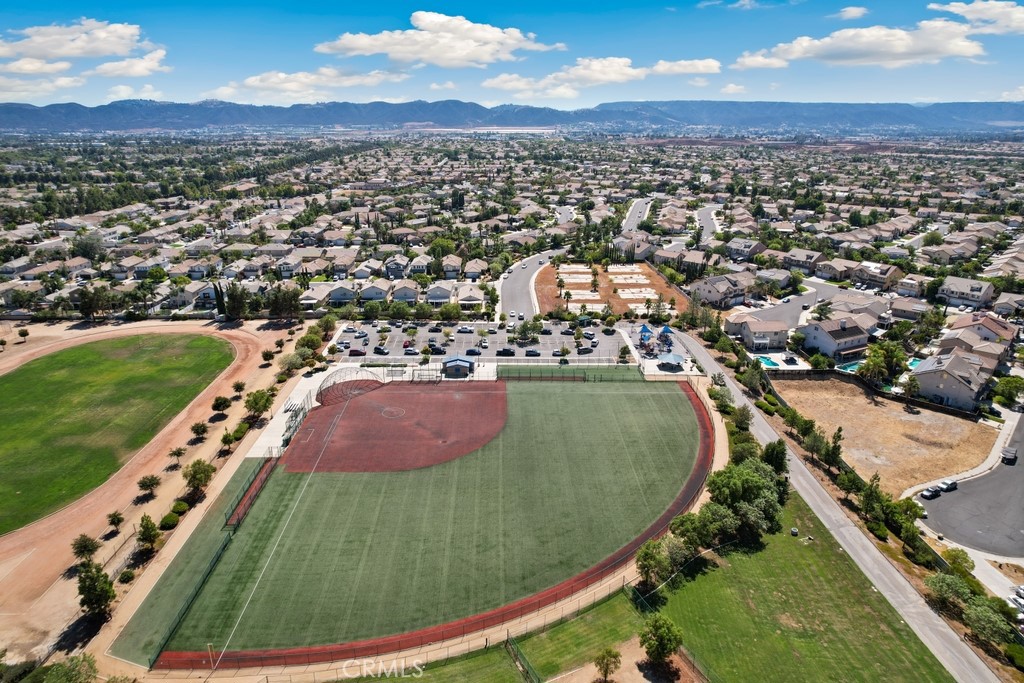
x=524, y=266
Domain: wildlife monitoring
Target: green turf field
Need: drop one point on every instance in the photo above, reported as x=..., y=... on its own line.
x=797, y=612
x=72, y=418
x=578, y=471
x=579, y=640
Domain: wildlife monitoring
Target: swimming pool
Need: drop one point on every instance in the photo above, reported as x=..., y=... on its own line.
x=913, y=363
x=850, y=367
x=767, y=362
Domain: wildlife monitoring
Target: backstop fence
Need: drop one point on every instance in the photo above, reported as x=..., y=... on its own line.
x=297, y=412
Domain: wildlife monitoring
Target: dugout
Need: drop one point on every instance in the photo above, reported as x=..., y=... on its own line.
x=457, y=367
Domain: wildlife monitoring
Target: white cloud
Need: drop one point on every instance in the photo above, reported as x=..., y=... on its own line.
x=1013, y=95
x=440, y=40
x=127, y=92
x=84, y=38
x=745, y=4
x=930, y=42
x=135, y=67
x=32, y=65
x=301, y=86
x=708, y=3
x=987, y=16
x=734, y=89
x=850, y=13
x=699, y=82
x=18, y=89
x=593, y=71
x=447, y=85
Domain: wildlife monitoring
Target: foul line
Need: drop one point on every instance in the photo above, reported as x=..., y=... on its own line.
x=273, y=551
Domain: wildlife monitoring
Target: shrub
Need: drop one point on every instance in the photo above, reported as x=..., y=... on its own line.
x=771, y=399
x=282, y=378
x=169, y=521
x=126, y=576
x=1015, y=653
x=731, y=364
x=180, y=507
x=240, y=430
x=765, y=407
x=879, y=530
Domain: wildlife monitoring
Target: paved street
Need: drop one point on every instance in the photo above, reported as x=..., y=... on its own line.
x=987, y=512
x=516, y=292
x=706, y=220
x=790, y=312
x=564, y=214
x=947, y=647
x=636, y=214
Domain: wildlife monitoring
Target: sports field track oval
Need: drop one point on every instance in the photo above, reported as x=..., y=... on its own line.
x=72, y=418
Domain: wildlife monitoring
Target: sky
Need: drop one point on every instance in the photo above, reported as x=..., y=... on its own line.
x=565, y=54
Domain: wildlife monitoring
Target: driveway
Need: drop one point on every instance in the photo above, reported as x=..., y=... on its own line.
x=985, y=513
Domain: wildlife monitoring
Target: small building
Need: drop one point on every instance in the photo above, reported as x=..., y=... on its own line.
x=457, y=367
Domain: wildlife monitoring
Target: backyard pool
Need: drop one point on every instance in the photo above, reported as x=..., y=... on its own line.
x=849, y=367
x=913, y=363
x=767, y=362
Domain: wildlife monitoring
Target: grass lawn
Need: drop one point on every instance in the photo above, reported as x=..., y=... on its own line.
x=492, y=666
x=335, y=557
x=72, y=418
x=797, y=612
x=578, y=641
x=602, y=373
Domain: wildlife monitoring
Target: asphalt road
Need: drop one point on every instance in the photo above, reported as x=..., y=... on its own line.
x=706, y=220
x=985, y=513
x=790, y=312
x=637, y=212
x=515, y=286
x=948, y=648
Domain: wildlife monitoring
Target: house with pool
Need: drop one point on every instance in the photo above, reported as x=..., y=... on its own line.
x=842, y=340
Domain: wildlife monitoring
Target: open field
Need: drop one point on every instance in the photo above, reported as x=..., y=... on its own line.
x=492, y=666
x=547, y=289
x=72, y=418
x=880, y=436
x=578, y=641
x=798, y=611
x=330, y=557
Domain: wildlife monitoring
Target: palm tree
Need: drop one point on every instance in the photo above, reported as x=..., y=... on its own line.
x=911, y=387
x=873, y=369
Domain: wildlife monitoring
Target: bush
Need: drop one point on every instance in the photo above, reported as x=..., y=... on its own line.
x=240, y=430
x=879, y=530
x=1015, y=653
x=765, y=407
x=282, y=378
x=180, y=507
x=771, y=399
x=731, y=364
x=169, y=521
x=126, y=576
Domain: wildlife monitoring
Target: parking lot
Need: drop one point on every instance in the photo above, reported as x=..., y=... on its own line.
x=400, y=344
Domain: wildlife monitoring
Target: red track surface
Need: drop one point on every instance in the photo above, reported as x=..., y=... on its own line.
x=435, y=634
x=398, y=426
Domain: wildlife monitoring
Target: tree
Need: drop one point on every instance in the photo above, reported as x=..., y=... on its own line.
x=816, y=444
x=95, y=589
x=149, y=483
x=848, y=482
x=660, y=637
x=149, y=533
x=985, y=623
x=823, y=311
x=177, y=453
x=932, y=238
x=1009, y=388
x=652, y=562
x=912, y=387
x=84, y=547
x=959, y=561
x=267, y=355
x=775, y=455
x=872, y=498
x=236, y=301
x=239, y=386
x=723, y=345
x=221, y=403
x=227, y=439
x=832, y=454
x=198, y=475
x=742, y=417
x=199, y=429
x=607, y=662
x=873, y=369
x=279, y=344
x=258, y=402
x=23, y=333
x=115, y=519
x=78, y=669
x=949, y=590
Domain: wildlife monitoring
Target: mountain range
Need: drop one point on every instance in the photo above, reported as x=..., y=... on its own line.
x=680, y=115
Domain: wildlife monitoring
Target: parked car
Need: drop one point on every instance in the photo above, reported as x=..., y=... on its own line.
x=483, y=344
x=786, y=300
x=506, y=352
x=1019, y=590
x=465, y=329
x=491, y=330
x=545, y=330
x=532, y=352
x=360, y=334
x=1018, y=603
x=356, y=352
x=410, y=351
x=594, y=343
x=380, y=350
x=407, y=343
x=931, y=492
x=522, y=317
x=437, y=350
x=349, y=329
x=947, y=485
x=1009, y=456
x=583, y=350
x=568, y=332
x=434, y=328
x=345, y=344
x=557, y=353
x=589, y=335
x=473, y=351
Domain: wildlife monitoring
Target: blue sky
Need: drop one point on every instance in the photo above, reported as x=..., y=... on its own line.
x=560, y=53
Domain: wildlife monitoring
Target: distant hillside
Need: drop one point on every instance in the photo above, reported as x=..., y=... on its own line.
x=791, y=117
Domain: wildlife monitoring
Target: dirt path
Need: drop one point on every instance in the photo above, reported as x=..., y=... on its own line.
x=635, y=669
x=38, y=597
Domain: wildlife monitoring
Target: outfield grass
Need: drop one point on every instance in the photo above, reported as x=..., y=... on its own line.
x=578, y=472
x=492, y=666
x=72, y=418
x=576, y=642
x=595, y=373
x=797, y=612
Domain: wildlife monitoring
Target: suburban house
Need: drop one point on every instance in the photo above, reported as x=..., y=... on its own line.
x=439, y=293
x=881, y=276
x=344, y=292
x=420, y=265
x=1008, y=304
x=723, y=291
x=972, y=342
x=470, y=297
x=962, y=291
x=743, y=248
x=912, y=285
x=377, y=290
x=396, y=267
x=405, y=290
x=840, y=339
x=764, y=335
x=954, y=379
x=804, y=260
x=836, y=269
x=475, y=269
x=988, y=326
x=451, y=266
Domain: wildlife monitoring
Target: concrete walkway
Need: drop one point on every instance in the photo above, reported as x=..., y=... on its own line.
x=954, y=654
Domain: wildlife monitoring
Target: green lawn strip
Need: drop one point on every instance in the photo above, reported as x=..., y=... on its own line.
x=490, y=666
x=141, y=637
x=372, y=554
x=797, y=611
x=72, y=418
x=576, y=642
x=604, y=373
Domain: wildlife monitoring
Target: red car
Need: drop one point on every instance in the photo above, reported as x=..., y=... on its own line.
x=406, y=344
x=356, y=352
